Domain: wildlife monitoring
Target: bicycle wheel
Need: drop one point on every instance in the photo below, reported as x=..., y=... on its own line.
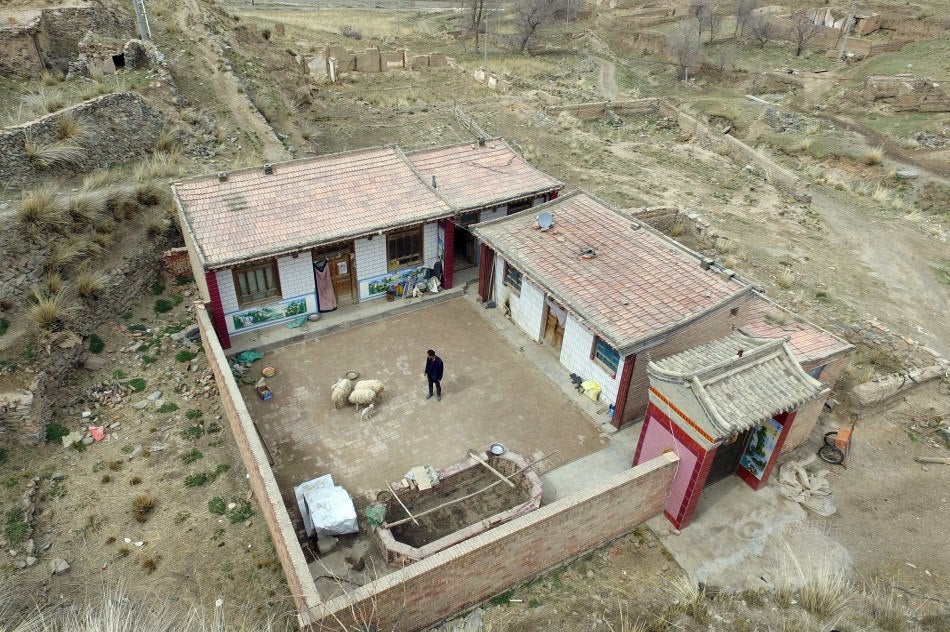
x=831, y=454
x=831, y=435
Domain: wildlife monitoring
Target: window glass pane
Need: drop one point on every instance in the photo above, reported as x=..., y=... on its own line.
x=242, y=284
x=607, y=354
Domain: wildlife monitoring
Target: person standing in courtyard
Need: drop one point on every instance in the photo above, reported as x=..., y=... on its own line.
x=434, y=369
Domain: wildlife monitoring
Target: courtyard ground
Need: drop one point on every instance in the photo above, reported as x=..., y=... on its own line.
x=491, y=393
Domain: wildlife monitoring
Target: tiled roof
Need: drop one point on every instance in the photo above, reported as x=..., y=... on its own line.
x=472, y=176
x=766, y=319
x=304, y=203
x=735, y=392
x=639, y=284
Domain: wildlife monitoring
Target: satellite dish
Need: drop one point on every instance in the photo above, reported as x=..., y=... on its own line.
x=545, y=221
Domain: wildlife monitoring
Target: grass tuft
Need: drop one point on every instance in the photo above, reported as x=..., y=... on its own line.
x=886, y=608
x=49, y=312
x=881, y=194
x=68, y=128
x=90, y=283
x=874, y=155
x=41, y=212
x=785, y=279
x=826, y=594
x=47, y=156
x=142, y=507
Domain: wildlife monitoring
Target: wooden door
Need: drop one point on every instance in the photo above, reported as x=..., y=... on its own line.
x=342, y=274
x=553, y=332
x=726, y=461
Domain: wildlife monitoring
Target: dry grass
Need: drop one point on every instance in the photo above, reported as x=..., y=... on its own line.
x=150, y=194
x=165, y=143
x=785, y=278
x=67, y=253
x=122, y=204
x=881, y=194
x=149, y=564
x=45, y=101
x=678, y=227
x=47, y=156
x=155, y=222
x=827, y=593
x=142, y=507
x=87, y=208
x=163, y=165
x=688, y=597
x=90, y=283
x=874, y=155
x=723, y=148
x=886, y=608
x=41, y=213
x=803, y=145
x=67, y=127
x=51, y=77
x=49, y=312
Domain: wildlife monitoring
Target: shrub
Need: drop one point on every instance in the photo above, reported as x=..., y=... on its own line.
x=4, y=326
x=193, y=432
x=16, y=526
x=135, y=480
x=114, y=465
x=96, y=344
x=142, y=507
x=185, y=356
x=168, y=407
x=40, y=212
x=194, y=414
x=241, y=512
x=106, y=478
x=55, y=432
x=191, y=457
x=137, y=384
x=163, y=305
x=265, y=33
x=157, y=288
x=196, y=480
x=181, y=516
x=89, y=283
x=348, y=31
x=217, y=506
x=149, y=564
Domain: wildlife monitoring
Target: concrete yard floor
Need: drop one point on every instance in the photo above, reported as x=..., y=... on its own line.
x=491, y=393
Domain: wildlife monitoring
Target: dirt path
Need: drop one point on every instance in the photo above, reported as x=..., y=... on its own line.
x=607, y=80
x=899, y=256
x=224, y=85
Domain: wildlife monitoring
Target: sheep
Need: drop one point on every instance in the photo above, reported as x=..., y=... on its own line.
x=374, y=385
x=368, y=412
x=362, y=396
x=341, y=391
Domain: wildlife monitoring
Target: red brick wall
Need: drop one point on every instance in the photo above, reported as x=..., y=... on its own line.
x=448, y=226
x=436, y=588
x=807, y=416
x=216, y=311
x=260, y=476
x=717, y=324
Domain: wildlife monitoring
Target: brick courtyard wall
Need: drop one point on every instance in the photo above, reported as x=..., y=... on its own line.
x=467, y=574
x=807, y=417
x=260, y=476
x=717, y=324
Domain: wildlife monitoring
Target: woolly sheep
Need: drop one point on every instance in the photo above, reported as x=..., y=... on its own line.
x=368, y=412
x=374, y=385
x=341, y=391
x=362, y=396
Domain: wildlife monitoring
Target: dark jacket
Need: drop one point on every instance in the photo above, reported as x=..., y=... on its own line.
x=434, y=368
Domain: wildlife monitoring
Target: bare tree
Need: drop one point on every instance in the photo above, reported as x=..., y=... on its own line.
x=685, y=46
x=742, y=11
x=712, y=20
x=725, y=58
x=803, y=31
x=476, y=9
x=762, y=30
x=703, y=9
x=530, y=15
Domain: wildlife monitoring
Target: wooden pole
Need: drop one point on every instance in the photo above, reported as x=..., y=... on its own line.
x=491, y=469
x=408, y=513
x=390, y=525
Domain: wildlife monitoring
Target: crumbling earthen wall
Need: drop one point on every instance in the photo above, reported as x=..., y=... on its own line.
x=596, y=110
x=910, y=93
x=914, y=29
x=115, y=128
x=22, y=49
x=335, y=59
x=434, y=589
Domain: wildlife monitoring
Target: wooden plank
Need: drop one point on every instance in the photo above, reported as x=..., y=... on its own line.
x=408, y=513
x=491, y=469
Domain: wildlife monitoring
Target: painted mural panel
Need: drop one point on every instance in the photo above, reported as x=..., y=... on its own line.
x=374, y=287
x=761, y=445
x=266, y=314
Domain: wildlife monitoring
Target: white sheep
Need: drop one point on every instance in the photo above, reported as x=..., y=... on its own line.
x=341, y=391
x=374, y=385
x=363, y=396
x=368, y=412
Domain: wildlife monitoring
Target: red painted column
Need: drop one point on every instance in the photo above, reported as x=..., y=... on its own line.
x=626, y=376
x=448, y=226
x=553, y=195
x=216, y=310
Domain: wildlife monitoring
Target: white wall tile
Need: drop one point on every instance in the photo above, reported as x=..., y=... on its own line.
x=575, y=356
x=526, y=307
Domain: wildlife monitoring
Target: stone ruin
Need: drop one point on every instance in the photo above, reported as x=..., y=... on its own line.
x=908, y=93
x=335, y=60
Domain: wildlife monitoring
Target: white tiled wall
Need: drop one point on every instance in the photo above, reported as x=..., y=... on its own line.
x=296, y=279
x=495, y=213
x=371, y=258
x=526, y=309
x=575, y=356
